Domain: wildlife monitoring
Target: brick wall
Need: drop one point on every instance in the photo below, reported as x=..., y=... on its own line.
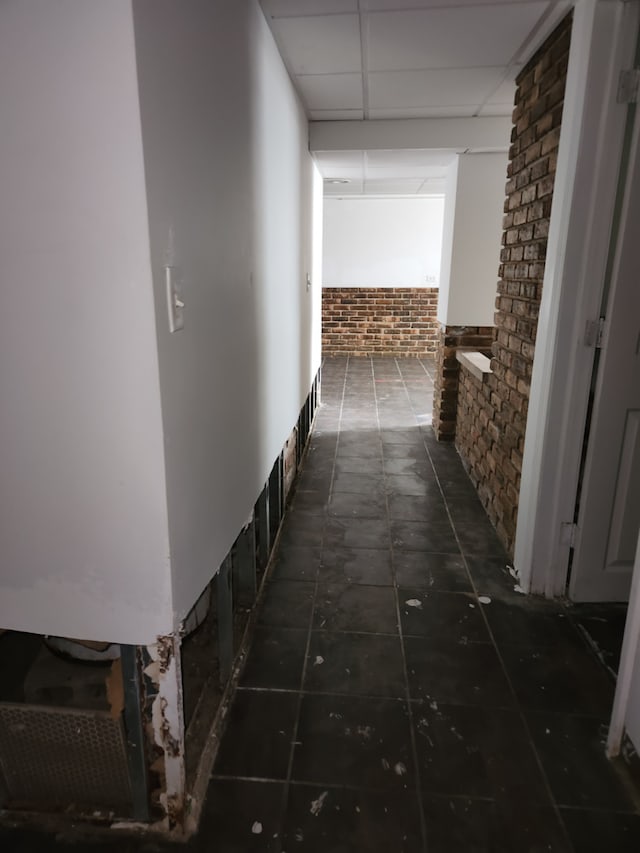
x=492, y=415
x=398, y=321
x=445, y=385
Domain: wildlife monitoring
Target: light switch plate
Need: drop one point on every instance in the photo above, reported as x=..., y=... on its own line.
x=175, y=303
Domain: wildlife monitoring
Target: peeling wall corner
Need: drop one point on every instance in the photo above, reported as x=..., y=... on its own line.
x=167, y=725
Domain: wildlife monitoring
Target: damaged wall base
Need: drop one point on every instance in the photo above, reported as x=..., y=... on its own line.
x=125, y=737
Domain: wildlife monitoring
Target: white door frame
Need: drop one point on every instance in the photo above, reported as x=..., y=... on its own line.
x=602, y=44
x=629, y=664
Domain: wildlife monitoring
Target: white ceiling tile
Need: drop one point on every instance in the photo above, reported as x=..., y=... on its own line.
x=331, y=91
x=352, y=188
x=449, y=37
x=320, y=45
x=391, y=171
x=424, y=112
x=390, y=185
x=297, y=8
x=434, y=186
x=392, y=5
x=496, y=110
x=336, y=115
x=504, y=94
x=348, y=172
x=332, y=159
x=452, y=87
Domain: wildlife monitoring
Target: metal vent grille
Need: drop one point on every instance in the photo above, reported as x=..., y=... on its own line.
x=61, y=757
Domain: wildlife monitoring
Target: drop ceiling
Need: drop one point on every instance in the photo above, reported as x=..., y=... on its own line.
x=404, y=59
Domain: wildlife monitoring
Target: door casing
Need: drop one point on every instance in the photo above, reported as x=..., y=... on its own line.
x=602, y=45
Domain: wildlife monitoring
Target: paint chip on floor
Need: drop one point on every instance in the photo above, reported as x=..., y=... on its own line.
x=484, y=599
x=318, y=661
x=316, y=805
x=256, y=829
x=413, y=602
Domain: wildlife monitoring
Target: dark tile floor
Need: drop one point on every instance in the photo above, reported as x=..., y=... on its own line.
x=400, y=695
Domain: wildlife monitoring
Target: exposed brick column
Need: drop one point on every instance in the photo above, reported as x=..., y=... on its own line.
x=399, y=321
x=445, y=390
x=492, y=417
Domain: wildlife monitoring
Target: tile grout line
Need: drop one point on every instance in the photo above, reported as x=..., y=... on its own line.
x=301, y=693
x=519, y=708
x=412, y=733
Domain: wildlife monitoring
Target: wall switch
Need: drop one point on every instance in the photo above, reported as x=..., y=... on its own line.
x=175, y=304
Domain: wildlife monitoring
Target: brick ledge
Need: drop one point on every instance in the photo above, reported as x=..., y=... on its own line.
x=476, y=363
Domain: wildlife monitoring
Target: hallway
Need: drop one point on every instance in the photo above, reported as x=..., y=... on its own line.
x=400, y=695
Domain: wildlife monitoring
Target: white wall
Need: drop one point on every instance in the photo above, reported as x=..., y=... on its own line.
x=131, y=458
x=83, y=519
x=382, y=242
x=475, y=195
x=230, y=186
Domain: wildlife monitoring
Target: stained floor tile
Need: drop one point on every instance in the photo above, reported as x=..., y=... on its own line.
x=355, y=741
x=355, y=663
x=572, y=751
x=276, y=659
x=258, y=736
x=236, y=809
x=446, y=616
x=593, y=831
x=356, y=565
x=464, y=825
x=296, y=563
x=562, y=677
x=339, y=820
x=423, y=570
x=287, y=604
x=477, y=752
x=354, y=607
x=424, y=536
x=464, y=673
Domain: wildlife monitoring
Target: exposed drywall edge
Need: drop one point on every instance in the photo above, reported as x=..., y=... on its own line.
x=167, y=719
x=476, y=363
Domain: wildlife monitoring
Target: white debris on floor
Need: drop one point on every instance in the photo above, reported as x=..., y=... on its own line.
x=316, y=805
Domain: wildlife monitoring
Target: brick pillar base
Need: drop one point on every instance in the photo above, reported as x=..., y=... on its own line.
x=445, y=385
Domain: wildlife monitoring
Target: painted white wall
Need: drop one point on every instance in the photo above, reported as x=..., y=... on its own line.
x=230, y=188
x=83, y=517
x=475, y=193
x=382, y=242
